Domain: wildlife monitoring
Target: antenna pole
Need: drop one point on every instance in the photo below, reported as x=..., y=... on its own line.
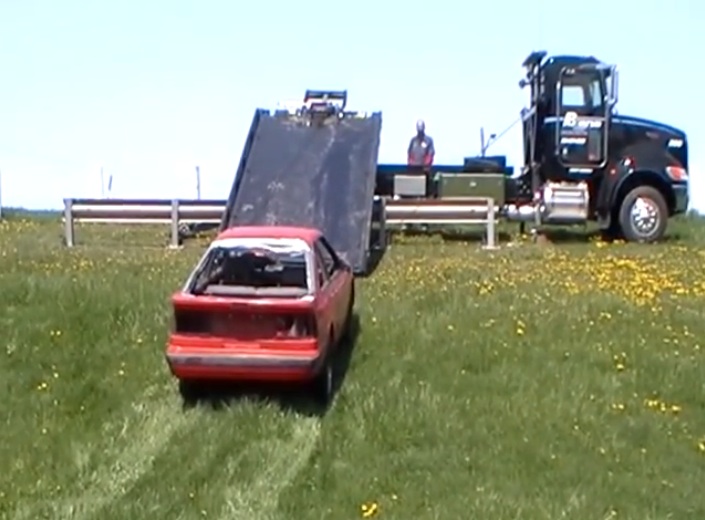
x=198, y=183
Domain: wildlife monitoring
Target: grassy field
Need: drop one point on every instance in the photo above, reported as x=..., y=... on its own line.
x=534, y=382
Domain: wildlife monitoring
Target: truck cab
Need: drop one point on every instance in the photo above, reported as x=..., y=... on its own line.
x=629, y=174
x=579, y=107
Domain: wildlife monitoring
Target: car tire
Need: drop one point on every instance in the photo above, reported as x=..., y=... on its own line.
x=190, y=391
x=643, y=215
x=323, y=383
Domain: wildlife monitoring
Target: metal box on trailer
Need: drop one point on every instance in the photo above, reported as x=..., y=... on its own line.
x=410, y=185
x=458, y=185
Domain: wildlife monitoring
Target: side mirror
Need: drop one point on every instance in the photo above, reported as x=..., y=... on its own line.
x=614, y=86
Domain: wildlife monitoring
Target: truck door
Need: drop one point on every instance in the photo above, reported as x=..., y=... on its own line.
x=582, y=117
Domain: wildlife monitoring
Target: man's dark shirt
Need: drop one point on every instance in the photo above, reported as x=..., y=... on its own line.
x=421, y=151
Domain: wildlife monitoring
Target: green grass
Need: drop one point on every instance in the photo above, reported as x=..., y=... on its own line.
x=534, y=382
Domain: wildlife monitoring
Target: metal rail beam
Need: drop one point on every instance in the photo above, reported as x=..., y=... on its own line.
x=387, y=212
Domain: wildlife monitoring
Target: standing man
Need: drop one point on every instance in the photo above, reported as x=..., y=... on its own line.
x=421, y=149
x=420, y=154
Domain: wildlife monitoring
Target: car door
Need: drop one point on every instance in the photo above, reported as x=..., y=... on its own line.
x=336, y=286
x=325, y=306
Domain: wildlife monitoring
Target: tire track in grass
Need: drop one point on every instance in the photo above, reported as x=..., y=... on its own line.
x=145, y=433
x=280, y=463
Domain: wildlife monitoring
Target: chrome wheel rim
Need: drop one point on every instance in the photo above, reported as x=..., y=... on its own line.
x=645, y=216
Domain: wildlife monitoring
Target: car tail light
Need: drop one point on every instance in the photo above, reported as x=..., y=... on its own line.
x=677, y=173
x=296, y=326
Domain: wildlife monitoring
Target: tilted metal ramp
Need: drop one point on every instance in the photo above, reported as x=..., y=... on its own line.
x=295, y=173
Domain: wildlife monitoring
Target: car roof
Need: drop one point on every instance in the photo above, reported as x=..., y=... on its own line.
x=307, y=234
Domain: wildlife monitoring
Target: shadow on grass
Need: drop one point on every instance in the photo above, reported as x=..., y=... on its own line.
x=471, y=236
x=457, y=235
x=299, y=399
x=373, y=261
x=549, y=235
x=376, y=252
x=575, y=236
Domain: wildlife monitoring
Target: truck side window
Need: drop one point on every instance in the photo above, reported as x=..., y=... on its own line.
x=583, y=93
x=573, y=96
x=597, y=96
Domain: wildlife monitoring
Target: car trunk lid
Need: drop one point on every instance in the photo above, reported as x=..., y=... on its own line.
x=243, y=323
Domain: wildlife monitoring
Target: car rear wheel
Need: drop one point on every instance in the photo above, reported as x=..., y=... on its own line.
x=323, y=384
x=190, y=391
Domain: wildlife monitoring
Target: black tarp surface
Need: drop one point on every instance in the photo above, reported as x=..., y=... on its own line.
x=320, y=176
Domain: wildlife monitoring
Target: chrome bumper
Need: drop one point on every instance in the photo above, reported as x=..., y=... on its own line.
x=242, y=361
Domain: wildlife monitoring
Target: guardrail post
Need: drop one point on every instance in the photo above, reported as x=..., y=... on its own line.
x=174, y=224
x=491, y=229
x=68, y=222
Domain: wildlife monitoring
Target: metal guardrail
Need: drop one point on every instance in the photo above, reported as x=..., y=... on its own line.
x=140, y=211
x=461, y=211
x=387, y=212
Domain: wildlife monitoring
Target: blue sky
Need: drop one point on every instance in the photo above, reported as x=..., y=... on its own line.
x=150, y=89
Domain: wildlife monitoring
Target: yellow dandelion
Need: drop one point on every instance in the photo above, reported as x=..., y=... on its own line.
x=369, y=510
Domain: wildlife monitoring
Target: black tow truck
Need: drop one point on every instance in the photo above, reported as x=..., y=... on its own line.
x=582, y=161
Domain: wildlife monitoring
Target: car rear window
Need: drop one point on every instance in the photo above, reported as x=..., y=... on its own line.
x=246, y=269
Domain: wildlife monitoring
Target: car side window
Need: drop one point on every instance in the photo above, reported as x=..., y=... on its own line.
x=321, y=272
x=328, y=260
x=200, y=276
x=331, y=252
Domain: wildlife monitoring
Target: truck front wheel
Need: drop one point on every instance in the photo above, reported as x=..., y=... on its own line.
x=643, y=215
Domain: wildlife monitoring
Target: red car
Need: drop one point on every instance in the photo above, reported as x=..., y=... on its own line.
x=266, y=303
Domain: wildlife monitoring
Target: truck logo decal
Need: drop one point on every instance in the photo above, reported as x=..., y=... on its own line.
x=573, y=140
x=572, y=120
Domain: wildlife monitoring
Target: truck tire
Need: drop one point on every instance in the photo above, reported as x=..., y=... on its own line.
x=643, y=215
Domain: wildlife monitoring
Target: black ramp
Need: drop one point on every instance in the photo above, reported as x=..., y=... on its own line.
x=320, y=176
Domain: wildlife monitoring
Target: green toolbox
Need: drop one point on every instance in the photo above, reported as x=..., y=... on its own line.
x=463, y=185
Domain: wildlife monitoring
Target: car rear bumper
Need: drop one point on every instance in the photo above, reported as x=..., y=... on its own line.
x=209, y=364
